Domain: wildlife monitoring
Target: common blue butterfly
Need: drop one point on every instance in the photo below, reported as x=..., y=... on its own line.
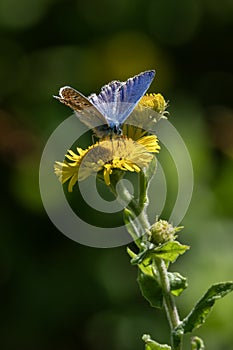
x=106, y=112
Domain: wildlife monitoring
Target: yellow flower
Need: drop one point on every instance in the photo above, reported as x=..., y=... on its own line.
x=153, y=101
x=107, y=155
x=150, y=109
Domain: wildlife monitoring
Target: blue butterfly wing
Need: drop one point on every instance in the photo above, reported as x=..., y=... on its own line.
x=131, y=92
x=105, y=113
x=106, y=100
x=117, y=99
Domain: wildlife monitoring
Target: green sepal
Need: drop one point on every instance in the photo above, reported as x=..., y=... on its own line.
x=150, y=289
x=201, y=310
x=153, y=345
x=177, y=283
x=197, y=344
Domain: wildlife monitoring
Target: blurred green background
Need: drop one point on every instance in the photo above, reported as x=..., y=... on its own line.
x=55, y=293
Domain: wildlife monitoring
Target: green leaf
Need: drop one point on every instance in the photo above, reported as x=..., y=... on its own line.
x=147, y=270
x=177, y=283
x=153, y=345
x=170, y=251
x=143, y=257
x=128, y=216
x=131, y=253
x=130, y=225
x=201, y=310
x=143, y=190
x=197, y=344
x=150, y=289
x=145, y=177
x=150, y=170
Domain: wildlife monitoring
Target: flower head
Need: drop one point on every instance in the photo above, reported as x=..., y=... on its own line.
x=150, y=109
x=107, y=155
x=153, y=101
x=161, y=231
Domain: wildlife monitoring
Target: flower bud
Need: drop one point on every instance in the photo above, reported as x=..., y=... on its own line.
x=161, y=232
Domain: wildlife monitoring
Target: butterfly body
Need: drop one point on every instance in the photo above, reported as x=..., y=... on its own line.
x=105, y=113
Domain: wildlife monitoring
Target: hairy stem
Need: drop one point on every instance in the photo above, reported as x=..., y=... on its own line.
x=138, y=209
x=169, y=303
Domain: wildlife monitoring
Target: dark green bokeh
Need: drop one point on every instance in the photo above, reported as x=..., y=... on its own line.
x=55, y=293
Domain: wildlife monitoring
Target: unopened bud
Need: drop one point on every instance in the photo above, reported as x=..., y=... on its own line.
x=161, y=232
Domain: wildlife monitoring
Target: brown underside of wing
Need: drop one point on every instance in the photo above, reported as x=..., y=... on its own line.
x=75, y=101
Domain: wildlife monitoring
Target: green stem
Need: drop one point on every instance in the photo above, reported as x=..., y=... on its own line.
x=169, y=303
x=139, y=212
